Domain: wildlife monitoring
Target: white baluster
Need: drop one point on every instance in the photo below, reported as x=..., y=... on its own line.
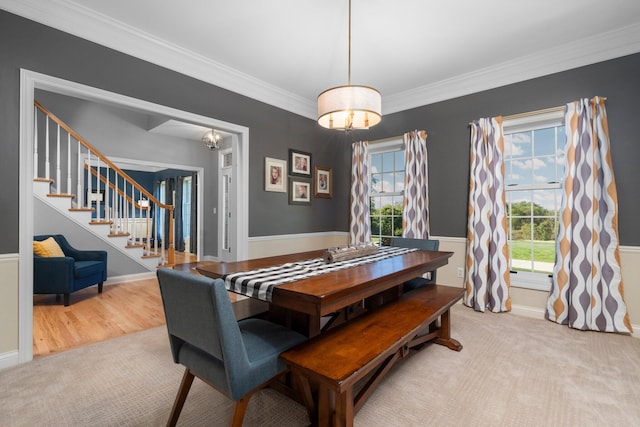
x=47, y=164
x=58, y=176
x=69, y=164
x=107, y=202
x=79, y=178
x=98, y=201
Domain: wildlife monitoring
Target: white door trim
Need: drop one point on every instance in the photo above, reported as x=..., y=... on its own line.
x=29, y=81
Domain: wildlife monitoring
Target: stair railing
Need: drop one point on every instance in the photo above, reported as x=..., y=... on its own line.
x=113, y=196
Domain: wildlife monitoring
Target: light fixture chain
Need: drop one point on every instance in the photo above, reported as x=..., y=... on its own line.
x=349, y=62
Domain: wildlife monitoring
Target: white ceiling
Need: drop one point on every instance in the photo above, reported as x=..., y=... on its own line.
x=285, y=52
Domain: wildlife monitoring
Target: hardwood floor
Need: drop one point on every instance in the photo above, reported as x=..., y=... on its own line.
x=121, y=309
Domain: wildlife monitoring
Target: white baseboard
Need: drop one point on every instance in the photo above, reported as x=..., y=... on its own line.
x=9, y=359
x=523, y=310
x=130, y=278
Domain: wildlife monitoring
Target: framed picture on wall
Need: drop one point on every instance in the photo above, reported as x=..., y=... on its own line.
x=322, y=182
x=299, y=192
x=299, y=164
x=275, y=175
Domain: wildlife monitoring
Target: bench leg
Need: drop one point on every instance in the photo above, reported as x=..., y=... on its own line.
x=344, y=409
x=444, y=337
x=325, y=407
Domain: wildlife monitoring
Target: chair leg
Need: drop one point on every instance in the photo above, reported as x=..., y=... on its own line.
x=100, y=287
x=66, y=299
x=185, y=386
x=239, y=410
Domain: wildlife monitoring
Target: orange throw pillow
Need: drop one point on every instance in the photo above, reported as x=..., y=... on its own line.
x=47, y=248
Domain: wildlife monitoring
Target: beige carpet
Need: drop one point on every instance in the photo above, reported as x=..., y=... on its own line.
x=512, y=371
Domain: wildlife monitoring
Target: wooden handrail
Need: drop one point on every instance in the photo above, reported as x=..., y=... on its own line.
x=101, y=157
x=127, y=178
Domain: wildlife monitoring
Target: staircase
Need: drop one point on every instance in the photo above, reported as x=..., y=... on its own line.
x=106, y=202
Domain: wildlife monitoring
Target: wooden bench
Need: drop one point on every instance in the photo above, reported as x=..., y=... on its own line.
x=338, y=359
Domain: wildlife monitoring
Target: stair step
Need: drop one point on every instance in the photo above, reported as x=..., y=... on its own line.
x=65, y=195
x=48, y=180
x=118, y=235
x=101, y=222
x=135, y=245
x=152, y=255
x=81, y=209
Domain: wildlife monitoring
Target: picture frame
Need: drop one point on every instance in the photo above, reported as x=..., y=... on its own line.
x=322, y=182
x=299, y=192
x=299, y=164
x=275, y=175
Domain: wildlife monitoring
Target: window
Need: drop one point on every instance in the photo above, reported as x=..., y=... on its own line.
x=386, y=186
x=186, y=208
x=534, y=157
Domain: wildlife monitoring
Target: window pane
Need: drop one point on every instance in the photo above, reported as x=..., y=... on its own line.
x=387, y=182
x=544, y=170
x=376, y=163
x=387, y=161
x=376, y=182
x=544, y=256
x=399, y=181
x=399, y=157
x=544, y=142
x=548, y=201
x=519, y=145
x=516, y=173
x=521, y=255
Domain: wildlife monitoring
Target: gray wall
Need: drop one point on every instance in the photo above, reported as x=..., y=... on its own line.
x=272, y=131
x=24, y=44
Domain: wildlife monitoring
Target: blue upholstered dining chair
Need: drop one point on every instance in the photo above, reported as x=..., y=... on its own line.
x=236, y=358
x=424, y=244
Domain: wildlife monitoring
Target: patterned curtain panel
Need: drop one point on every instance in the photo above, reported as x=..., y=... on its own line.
x=487, y=281
x=360, y=227
x=587, y=290
x=415, y=212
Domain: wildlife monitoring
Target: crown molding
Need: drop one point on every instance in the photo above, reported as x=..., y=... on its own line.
x=80, y=21
x=590, y=50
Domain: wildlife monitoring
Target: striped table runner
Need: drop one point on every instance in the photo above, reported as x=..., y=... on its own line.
x=259, y=283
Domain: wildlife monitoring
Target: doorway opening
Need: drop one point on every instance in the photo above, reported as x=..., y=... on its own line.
x=30, y=81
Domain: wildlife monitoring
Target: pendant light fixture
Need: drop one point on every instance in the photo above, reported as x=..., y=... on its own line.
x=349, y=107
x=211, y=140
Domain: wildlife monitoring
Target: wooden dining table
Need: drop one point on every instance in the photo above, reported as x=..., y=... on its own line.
x=302, y=304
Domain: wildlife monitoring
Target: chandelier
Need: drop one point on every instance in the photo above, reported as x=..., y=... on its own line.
x=349, y=107
x=211, y=140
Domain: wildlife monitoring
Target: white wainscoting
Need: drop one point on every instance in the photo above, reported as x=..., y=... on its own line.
x=9, y=320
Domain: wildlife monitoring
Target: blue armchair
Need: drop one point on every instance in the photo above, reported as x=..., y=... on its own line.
x=62, y=275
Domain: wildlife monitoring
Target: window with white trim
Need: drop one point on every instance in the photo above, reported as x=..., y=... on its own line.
x=534, y=159
x=386, y=189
